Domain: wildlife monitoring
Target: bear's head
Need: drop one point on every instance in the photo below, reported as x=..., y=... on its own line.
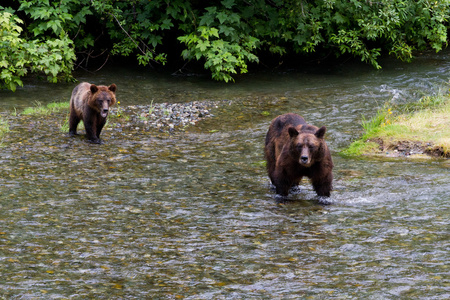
x=307, y=144
x=102, y=97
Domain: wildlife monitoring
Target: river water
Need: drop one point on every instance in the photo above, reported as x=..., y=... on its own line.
x=190, y=215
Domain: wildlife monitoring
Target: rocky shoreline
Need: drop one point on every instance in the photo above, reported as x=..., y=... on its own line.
x=408, y=149
x=164, y=116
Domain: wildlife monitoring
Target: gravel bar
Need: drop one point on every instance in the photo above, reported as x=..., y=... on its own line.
x=166, y=116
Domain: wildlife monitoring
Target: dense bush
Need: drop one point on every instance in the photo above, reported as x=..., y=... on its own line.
x=43, y=36
x=53, y=57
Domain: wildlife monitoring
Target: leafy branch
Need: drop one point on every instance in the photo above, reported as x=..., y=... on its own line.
x=226, y=36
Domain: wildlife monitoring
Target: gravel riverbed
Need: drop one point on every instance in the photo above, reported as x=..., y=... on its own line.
x=165, y=116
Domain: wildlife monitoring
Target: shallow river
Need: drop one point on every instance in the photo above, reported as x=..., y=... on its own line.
x=149, y=214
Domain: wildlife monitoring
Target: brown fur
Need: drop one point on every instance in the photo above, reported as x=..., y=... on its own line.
x=294, y=149
x=90, y=103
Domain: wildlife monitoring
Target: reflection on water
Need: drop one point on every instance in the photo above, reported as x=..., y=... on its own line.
x=191, y=214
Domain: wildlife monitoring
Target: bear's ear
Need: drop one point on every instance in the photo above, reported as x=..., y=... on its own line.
x=320, y=132
x=93, y=88
x=112, y=88
x=292, y=132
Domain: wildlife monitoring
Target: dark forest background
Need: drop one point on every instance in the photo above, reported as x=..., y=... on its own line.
x=51, y=38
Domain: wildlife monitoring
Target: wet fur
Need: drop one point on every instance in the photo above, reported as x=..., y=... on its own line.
x=288, y=140
x=90, y=103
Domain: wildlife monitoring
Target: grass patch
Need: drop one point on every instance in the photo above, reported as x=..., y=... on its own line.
x=65, y=126
x=4, y=127
x=39, y=109
x=425, y=123
x=152, y=108
x=429, y=125
x=360, y=147
x=54, y=107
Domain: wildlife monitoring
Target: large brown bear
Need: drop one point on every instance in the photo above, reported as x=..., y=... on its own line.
x=294, y=149
x=91, y=103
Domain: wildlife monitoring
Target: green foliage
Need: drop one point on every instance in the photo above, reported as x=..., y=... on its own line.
x=50, y=18
x=138, y=27
x=52, y=57
x=223, y=40
x=226, y=36
x=11, y=60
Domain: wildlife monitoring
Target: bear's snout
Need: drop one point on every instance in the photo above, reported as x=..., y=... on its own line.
x=104, y=109
x=304, y=156
x=104, y=112
x=304, y=159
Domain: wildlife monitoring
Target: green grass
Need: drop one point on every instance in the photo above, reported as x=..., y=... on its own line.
x=39, y=109
x=424, y=122
x=4, y=127
x=426, y=103
x=151, y=109
x=360, y=147
x=65, y=126
x=54, y=107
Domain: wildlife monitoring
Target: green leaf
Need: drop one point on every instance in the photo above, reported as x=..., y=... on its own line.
x=228, y=3
x=203, y=45
x=226, y=30
x=222, y=16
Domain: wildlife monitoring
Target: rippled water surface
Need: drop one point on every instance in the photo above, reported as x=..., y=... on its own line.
x=190, y=214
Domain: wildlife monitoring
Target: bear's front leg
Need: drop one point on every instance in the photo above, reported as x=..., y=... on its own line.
x=89, y=126
x=323, y=185
x=281, y=182
x=100, y=124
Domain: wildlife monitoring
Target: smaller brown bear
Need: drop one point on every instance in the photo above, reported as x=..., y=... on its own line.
x=90, y=103
x=294, y=149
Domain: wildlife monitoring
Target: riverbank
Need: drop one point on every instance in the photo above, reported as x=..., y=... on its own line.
x=415, y=130
x=166, y=118
x=162, y=116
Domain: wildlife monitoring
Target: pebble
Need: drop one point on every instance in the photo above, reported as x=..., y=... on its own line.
x=166, y=116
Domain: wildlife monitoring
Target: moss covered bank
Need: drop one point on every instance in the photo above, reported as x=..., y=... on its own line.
x=412, y=130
